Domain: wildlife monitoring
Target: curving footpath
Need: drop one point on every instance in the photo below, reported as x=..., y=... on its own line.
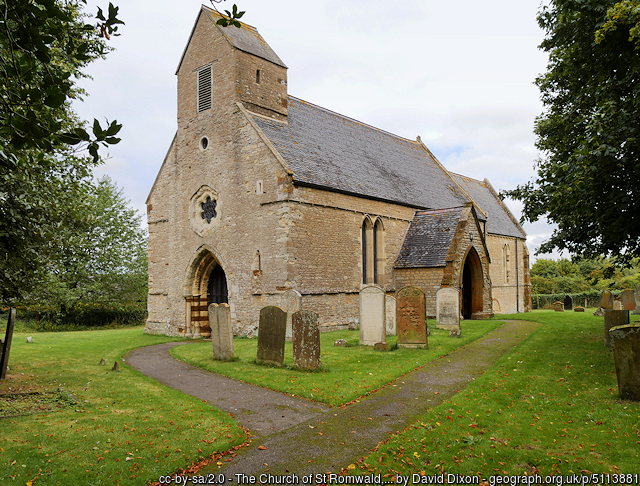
x=305, y=437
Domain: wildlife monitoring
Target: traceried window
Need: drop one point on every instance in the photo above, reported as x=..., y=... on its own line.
x=204, y=88
x=372, y=251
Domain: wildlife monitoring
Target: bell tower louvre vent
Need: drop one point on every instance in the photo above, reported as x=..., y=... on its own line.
x=204, y=88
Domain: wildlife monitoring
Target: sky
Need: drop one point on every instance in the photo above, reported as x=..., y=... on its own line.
x=458, y=74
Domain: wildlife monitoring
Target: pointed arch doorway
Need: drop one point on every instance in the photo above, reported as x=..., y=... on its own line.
x=472, y=284
x=206, y=284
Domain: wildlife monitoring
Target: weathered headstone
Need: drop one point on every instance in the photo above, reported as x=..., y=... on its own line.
x=221, y=332
x=628, y=300
x=290, y=302
x=626, y=352
x=617, y=305
x=568, y=303
x=6, y=345
x=306, y=340
x=613, y=318
x=380, y=347
x=578, y=309
x=637, y=294
x=606, y=299
x=411, y=318
x=448, y=308
x=341, y=343
x=558, y=306
x=390, y=310
x=372, y=316
x=271, y=336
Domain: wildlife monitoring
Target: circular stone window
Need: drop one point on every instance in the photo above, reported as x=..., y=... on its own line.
x=204, y=143
x=204, y=210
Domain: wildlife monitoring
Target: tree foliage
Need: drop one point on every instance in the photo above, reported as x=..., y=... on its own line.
x=101, y=258
x=588, y=179
x=231, y=17
x=583, y=274
x=44, y=45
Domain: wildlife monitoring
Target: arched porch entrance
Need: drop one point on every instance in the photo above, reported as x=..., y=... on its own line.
x=472, y=286
x=206, y=284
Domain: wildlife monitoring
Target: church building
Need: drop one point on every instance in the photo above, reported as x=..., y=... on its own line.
x=261, y=192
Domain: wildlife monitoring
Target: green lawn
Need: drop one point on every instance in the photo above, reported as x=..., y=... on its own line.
x=549, y=407
x=125, y=428
x=347, y=372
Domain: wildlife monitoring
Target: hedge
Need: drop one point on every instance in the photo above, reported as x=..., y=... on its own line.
x=591, y=298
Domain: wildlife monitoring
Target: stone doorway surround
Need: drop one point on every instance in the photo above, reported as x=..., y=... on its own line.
x=204, y=266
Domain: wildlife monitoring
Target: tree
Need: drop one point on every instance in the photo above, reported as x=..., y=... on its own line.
x=588, y=178
x=100, y=259
x=44, y=45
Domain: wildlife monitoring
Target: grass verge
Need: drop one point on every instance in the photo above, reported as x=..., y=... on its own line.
x=347, y=372
x=124, y=429
x=550, y=407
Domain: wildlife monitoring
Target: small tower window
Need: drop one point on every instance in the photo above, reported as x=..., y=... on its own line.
x=258, y=76
x=204, y=88
x=259, y=187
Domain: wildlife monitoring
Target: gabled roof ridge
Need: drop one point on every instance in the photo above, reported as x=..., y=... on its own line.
x=441, y=210
x=339, y=115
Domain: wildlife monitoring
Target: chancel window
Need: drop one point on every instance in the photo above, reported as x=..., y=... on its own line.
x=505, y=262
x=372, y=252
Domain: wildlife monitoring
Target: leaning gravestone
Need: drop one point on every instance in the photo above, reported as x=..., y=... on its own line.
x=290, y=302
x=372, y=316
x=606, y=299
x=221, y=333
x=271, y=332
x=626, y=352
x=306, y=340
x=390, y=311
x=568, y=303
x=613, y=318
x=411, y=318
x=448, y=308
x=628, y=300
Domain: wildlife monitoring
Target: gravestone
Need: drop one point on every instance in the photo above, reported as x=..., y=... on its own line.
x=221, y=333
x=568, y=303
x=617, y=305
x=613, y=318
x=271, y=336
x=637, y=294
x=578, y=309
x=306, y=340
x=558, y=306
x=606, y=299
x=390, y=311
x=448, y=308
x=628, y=300
x=372, y=316
x=626, y=352
x=411, y=318
x=290, y=302
x=380, y=347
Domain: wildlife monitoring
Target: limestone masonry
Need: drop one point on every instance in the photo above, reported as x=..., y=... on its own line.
x=261, y=193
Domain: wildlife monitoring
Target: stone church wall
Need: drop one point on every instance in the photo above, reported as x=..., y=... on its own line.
x=511, y=284
x=428, y=279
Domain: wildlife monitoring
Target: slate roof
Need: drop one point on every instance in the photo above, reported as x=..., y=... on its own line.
x=245, y=38
x=500, y=221
x=429, y=238
x=327, y=150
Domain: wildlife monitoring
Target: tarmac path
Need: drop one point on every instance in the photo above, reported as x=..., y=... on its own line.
x=304, y=437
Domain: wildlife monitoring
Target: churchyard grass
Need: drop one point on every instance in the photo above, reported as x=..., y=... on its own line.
x=551, y=406
x=124, y=429
x=347, y=372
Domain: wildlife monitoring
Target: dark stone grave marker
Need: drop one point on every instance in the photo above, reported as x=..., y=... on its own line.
x=306, y=340
x=271, y=336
